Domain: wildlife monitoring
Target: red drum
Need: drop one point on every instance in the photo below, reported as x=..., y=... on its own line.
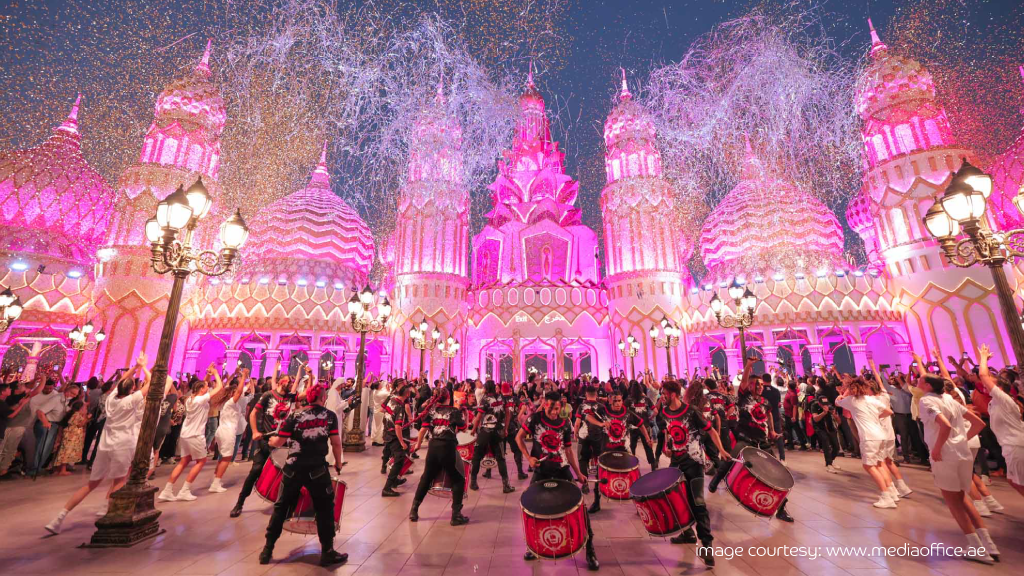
x=268, y=485
x=660, y=499
x=302, y=520
x=488, y=461
x=621, y=469
x=759, y=482
x=405, y=466
x=466, y=443
x=554, y=519
x=442, y=486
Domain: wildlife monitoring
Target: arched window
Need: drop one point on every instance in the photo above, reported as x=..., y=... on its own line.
x=878, y=143
x=170, y=150
x=905, y=139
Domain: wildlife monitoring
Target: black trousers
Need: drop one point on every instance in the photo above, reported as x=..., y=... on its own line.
x=92, y=433
x=551, y=471
x=829, y=443
x=849, y=442
x=634, y=436
x=590, y=448
x=510, y=441
x=726, y=464
x=316, y=481
x=489, y=439
x=694, y=474
x=394, y=448
x=442, y=456
x=261, y=451
x=795, y=431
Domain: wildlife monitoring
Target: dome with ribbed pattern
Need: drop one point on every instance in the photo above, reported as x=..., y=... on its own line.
x=311, y=235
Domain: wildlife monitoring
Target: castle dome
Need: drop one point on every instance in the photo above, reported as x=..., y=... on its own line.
x=310, y=235
x=52, y=202
x=765, y=226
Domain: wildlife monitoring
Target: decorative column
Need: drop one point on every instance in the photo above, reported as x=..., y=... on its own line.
x=231, y=360
x=350, y=364
x=313, y=356
x=860, y=355
x=189, y=365
x=33, y=362
x=272, y=358
x=733, y=361
x=906, y=355
x=817, y=353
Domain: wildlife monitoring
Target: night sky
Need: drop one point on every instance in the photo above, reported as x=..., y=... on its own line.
x=122, y=52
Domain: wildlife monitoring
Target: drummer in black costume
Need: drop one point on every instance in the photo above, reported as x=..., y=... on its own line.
x=396, y=436
x=552, y=439
x=753, y=428
x=684, y=426
x=309, y=432
x=618, y=420
x=512, y=404
x=444, y=422
x=268, y=413
x=640, y=427
x=491, y=425
x=590, y=422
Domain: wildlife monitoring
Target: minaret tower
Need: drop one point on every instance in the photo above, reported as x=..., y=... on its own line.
x=427, y=252
x=909, y=157
x=647, y=239
x=181, y=145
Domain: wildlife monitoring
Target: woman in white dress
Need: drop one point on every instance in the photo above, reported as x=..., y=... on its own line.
x=116, y=448
x=867, y=414
x=192, y=442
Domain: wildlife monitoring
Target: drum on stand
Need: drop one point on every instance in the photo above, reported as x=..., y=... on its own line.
x=759, y=481
x=660, y=499
x=268, y=485
x=489, y=461
x=303, y=521
x=466, y=444
x=406, y=466
x=554, y=519
x=442, y=485
x=621, y=469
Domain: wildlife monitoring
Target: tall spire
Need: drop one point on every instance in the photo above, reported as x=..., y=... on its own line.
x=71, y=124
x=876, y=43
x=321, y=177
x=529, y=78
x=204, y=65
x=624, y=93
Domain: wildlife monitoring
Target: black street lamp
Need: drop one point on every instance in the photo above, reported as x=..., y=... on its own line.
x=361, y=307
x=672, y=333
x=630, y=348
x=746, y=303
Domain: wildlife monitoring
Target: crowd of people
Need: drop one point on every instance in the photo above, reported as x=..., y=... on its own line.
x=967, y=428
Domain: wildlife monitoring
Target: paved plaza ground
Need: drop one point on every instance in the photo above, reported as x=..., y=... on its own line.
x=830, y=511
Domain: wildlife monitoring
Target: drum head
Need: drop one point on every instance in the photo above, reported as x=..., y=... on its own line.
x=654, y=483
x=618, y=460
x=767, y=469
x=551, y=498
x=279, y=456
x=463, y=438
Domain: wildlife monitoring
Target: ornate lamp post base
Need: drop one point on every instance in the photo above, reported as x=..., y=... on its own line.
x=355, y=441
x=130, y=520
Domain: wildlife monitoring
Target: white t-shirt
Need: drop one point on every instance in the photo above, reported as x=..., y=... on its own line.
x=1005, y=419
x=885, y=403
x=929, y=408
x=232, y=414
x=197, y=412
x=866, y=415
x=52, y=405
x=121, y=430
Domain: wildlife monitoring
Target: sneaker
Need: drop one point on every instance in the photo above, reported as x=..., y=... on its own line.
x=185, y=495
x=831, y=469
x=101, y=512
x=236, y=511
x=893, y=493
x=993, y=504
x=984, y=558
x=389, y=493
x=704, y=553
x=507, y=488
x=836, y=466
x=982, y=509
x=592, y=563
x=986, y=479
x=54, y=527
x=167, y=495
x=684, y=537
x=903, y=490
x=884, y=501
x=217, y=488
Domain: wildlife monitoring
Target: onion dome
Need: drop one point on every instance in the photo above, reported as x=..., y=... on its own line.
x=194, y=100
x=52, y=203
x=1007, y=172
x=895, y=97
x=310, y=235
x=765, y=226
x=859, y=214
x=629, y=137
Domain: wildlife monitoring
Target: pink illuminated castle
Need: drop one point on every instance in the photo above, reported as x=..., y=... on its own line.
x=528, y=293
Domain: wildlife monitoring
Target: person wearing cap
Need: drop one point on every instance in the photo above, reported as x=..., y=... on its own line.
x=309, y=433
